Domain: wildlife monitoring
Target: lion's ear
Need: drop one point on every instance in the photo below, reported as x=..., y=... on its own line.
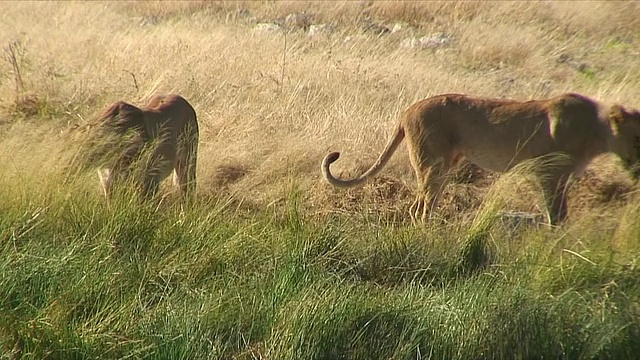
x=617, y=114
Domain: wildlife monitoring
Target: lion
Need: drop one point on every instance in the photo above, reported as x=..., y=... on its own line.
x=497, y=134
x=144, y=145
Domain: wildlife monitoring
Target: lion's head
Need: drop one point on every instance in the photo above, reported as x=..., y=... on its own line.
x=627, y=125
x=117, y=132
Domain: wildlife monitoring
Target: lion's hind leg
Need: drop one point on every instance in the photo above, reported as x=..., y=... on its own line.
x=431, y=183
x=416, y=208
x=182, y=179
x=185, y=170
x=432, y=177
x=106, y=181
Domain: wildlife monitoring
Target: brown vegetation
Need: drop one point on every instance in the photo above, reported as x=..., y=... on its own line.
x=271, y=104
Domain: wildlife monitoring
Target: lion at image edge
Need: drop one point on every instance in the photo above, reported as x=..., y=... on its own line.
x=497, y=134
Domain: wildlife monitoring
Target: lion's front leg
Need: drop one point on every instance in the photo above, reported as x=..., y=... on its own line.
x=185, y=172
x=554, y=189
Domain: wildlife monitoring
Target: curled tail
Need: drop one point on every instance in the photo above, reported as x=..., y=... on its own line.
x=388, y=151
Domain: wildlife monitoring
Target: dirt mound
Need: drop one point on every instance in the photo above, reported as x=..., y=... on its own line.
x=593, y=190
x=383, y=196
x=226, y=174
x=389, y=198
x=469, y=173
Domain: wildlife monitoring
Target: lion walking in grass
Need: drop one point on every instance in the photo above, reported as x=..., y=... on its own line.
x=497, y=134
x=141, y=146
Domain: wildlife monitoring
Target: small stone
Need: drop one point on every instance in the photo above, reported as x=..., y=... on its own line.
x=320, y=29
x=429, y=41
x=267, y=27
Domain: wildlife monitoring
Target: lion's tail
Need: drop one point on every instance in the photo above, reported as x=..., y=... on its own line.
x=388, y=151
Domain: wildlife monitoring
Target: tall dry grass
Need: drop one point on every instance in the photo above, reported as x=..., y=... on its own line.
x=272, y=104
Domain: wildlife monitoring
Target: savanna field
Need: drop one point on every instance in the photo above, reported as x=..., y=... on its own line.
x=271, y=262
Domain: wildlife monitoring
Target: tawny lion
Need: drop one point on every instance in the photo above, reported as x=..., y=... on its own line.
x=145, y=145
x=497, y=134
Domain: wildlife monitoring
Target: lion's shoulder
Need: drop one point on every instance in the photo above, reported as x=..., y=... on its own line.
x=168, y=103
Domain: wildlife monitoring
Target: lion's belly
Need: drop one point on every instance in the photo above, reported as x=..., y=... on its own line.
x=493, y=162
x=502, y=154
x=501, y=146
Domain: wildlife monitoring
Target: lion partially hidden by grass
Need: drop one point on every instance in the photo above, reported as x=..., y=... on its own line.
x=564, y=133
x=142, y=146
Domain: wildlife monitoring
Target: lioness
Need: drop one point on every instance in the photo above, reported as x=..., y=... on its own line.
x=497, y=134
x=146, y=144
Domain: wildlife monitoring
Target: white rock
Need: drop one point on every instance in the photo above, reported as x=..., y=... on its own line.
x=267, y=27
x=429, y=41
x=319, y=29
x=355, y=38
x=396, y=27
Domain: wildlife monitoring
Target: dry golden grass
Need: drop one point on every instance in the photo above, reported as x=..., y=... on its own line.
x=272, y=105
